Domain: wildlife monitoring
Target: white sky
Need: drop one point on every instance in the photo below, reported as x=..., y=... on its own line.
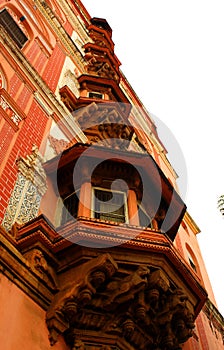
x=172, y=53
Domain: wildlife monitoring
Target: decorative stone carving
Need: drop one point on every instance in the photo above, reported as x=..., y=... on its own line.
x=105, y=122
x=121, y=291
x=101, y=68
x=100, y=56
x=29, y=187
x=40, y=266
x=71, y=81
x=31, y=168
x=78, y=293
x=139, y=305
x=58, y=145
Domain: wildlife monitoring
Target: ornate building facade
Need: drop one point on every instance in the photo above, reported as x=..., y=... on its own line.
x=97, y=249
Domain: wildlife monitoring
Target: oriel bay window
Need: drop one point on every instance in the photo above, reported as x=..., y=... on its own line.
x=126, y=190
x=112, y=193
x=103, y=197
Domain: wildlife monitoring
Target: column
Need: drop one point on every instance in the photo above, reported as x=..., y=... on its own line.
x=133, y=208
x=85, y=196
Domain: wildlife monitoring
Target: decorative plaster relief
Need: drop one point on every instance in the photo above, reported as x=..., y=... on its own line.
x=41, y=267
x=11, y=112
x=23, y=204
x=71, y=81
x=30, y=186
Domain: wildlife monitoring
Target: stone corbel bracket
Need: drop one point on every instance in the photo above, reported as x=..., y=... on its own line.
x=140, y=306
x=86, y=279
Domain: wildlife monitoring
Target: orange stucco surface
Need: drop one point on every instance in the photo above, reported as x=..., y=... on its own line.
x=22, y=322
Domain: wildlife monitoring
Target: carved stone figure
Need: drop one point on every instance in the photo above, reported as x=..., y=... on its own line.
x=40, y=265
x=77, y=293
x=124, y=290
x=144, y=308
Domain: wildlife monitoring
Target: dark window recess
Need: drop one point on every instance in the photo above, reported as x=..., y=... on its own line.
x=70, y=208
x=192, y=264
x=144, y=219
x=109, y=205
x=95, y=95
x=12, y=28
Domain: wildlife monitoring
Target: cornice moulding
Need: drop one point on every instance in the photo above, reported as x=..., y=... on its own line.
x=15, y=267
x=192, y=224
x=74, y=20
x=60, y=32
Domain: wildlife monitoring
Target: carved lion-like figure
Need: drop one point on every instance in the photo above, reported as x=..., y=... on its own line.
x=124, y=290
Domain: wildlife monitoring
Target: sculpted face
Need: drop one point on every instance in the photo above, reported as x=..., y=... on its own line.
x=143, y=271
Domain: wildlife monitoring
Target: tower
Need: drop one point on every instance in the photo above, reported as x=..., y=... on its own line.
x=98, y=249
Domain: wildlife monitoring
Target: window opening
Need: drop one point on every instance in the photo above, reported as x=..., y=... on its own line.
x=110, y=205
x=12, y=28
x=70, y=207
x=191, y=261
x=95, y=95
x=144, y=218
